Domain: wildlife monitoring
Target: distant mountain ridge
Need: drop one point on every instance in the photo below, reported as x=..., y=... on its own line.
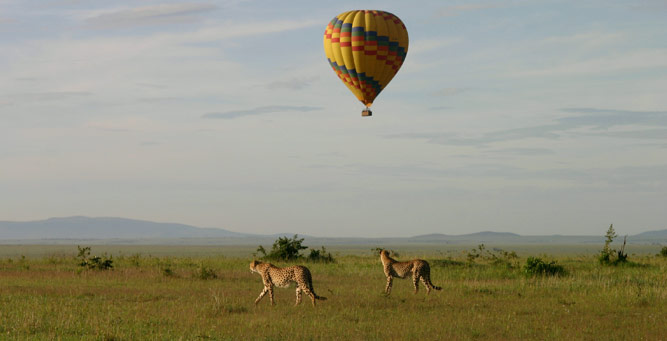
x=653, y=234
x=476, y=234
x=79, y=227
x=123, y=230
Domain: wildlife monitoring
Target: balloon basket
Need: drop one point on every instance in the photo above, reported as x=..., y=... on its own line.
x=366, y=112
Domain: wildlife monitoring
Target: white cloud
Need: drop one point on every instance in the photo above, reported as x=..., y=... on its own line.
x=423, y=46
x=123, y=124
x=460, y=9
x=293, y=83
x=149, y=15
x=115, y=68
x=650, y=5
x=448, y=92
x=260, y=111
x=585, y=39
x=635, y=60
x=47, y=96
x=236, y=29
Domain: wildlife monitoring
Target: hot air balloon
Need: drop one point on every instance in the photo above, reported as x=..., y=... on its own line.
x=366, y=48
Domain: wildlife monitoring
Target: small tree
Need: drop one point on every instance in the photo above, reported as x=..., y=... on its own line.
x=535, y=266
x=663, y=251
x=96, y=263
x=204, y=272
x=609, y=256
x=287, y=249
x=284, y=248
x=321, y=256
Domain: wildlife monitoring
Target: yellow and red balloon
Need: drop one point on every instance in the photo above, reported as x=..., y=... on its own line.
x=366, y=48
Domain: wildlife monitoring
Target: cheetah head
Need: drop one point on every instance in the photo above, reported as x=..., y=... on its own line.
x=253, y=266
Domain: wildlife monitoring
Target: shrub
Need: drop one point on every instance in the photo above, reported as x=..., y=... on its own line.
x=168, y=272
x=165, y=267
x=204, y=272
x=284, y=249
x=446, y=262
x=663, y=251
x=495, y=257
x=288, y=249
x=609, y=256
x=135, y=260
x=23, y=263
x=321, y=256
x=95, y=263
x=536, y=266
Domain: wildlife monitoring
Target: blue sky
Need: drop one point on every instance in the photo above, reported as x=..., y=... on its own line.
x=533, y=117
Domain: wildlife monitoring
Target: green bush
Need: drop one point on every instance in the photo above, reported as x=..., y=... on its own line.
x=494, y=257
x=166, y=267
x=537, y=267
x=609, y=256
x=446, y=262
x=321, y=256
x=94, y=263
x=168, y=272
x=663, y=251
x=204, y=272
x=289, y=249
x=283, y=249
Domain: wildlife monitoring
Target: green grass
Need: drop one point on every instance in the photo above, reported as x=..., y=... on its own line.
x=49, y=297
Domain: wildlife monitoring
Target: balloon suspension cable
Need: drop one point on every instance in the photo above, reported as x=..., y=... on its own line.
x=366, y=112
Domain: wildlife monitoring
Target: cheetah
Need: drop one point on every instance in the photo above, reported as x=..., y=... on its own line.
x=282, y=277
x=418, y=267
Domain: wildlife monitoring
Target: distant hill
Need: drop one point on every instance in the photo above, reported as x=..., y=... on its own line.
x=105, y=228
x=491, y=234
x=652, y=234
x=109, y=230
x=432, y=236
x=477, y=236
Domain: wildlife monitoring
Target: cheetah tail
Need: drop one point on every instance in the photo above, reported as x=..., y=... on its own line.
x=436, y=288
x=311, y=291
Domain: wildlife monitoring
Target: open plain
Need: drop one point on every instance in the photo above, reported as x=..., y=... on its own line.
x=191, y=292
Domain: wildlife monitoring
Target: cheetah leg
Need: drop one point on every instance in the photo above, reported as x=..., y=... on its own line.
x=271, y=295
x=415, y=282
x=387, y=289
x=298, y=296
x=310, y=293
x=426, y=284
x=261, y=295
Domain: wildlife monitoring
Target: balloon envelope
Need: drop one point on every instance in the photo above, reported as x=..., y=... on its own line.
x=366, y=48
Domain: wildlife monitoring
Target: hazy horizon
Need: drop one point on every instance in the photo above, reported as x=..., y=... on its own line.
x=405, y=235
x=535, y=118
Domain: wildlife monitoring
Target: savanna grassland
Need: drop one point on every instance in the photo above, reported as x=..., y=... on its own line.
x=197, y=293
